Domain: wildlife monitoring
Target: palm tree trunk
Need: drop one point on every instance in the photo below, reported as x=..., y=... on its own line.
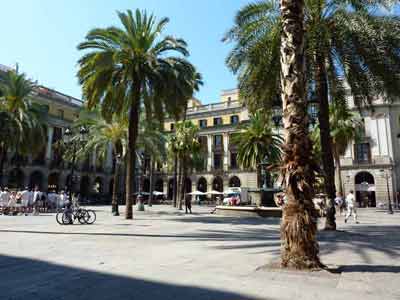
x=3, y=155
x=339, y=174
x=182, y=179
x=326, y=140
x=131, y=163
x=299, y=223
x=175, y=183
x=114, y=201
x=152, y=166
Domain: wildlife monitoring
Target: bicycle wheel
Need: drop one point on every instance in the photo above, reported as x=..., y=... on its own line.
x=67, y=219
x=83, y=216
x=92, y=216
x=59, y=218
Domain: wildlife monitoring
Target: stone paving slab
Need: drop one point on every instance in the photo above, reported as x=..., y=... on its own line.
x=165, y=254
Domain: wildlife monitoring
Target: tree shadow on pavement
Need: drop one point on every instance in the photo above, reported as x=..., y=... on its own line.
x=24, y=278
x=368, y=269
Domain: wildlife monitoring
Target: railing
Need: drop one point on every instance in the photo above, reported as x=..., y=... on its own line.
x=52, y=94
x=213, y=106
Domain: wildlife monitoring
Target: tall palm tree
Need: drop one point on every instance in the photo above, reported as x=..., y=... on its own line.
x=186, y=145
x=127, y=63
x=299, y=225
x=345, y=42
x=345, y=128
x=257, y=142
x=20, y=118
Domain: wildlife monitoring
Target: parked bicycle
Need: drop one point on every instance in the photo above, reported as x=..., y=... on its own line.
x=70, y=215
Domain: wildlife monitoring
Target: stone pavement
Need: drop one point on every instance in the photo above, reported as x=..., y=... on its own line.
x=164, y=254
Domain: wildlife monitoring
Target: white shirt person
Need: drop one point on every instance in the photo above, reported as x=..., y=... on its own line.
x=351, y=208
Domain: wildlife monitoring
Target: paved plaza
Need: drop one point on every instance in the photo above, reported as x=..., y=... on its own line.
x=164, y=254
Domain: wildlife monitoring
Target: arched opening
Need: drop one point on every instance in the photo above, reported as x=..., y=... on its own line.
x=53, y=182
x=98, y=185
x=365, y=189
x=170, y=189
x=159, y=185
x=146, y=185
x=234, y=181
x=85, y=187
x=202, y=187
x=36, y=180
x=16, y=179
x=217, y=184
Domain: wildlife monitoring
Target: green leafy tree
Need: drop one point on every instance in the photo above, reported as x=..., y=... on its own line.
x=185, y=144
x=124, y=66
x=258, y=143
x=345, y=42
x=22, y=121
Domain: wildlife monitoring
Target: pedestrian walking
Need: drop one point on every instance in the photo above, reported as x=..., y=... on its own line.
x=351, y=209
x=37, y=201
x=339, y=203
x=25, y=196
x=188, y=204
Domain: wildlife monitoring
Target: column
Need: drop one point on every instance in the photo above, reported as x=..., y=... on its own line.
x=225, y=141
x=49, y=143
x=209, y=150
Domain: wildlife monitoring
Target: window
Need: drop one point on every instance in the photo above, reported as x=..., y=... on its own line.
x=171, y=126
x=234, y=119
x=202, y=123
x=363, y=153
x=234, y=164
x=61, y=114
x=217, y=161
x=217, y=121
x=217, y=140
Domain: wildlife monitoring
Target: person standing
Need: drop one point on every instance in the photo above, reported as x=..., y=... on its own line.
x=339, y=203
x=4, y=199
x=37, y=200
x=188, y=204
x=351, y=209
x=25, y=195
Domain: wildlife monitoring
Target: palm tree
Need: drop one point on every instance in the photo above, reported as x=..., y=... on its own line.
x=345, y=42
x=299, y=225
x=345, y=128
x=20, y=118
x=257, y=142
x=127, y=63
x=186, y=146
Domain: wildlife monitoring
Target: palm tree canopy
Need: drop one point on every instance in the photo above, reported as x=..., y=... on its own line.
x=257, y=142
x=360, y=48
x=136, y=56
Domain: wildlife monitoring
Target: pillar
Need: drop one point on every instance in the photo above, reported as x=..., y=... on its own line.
x=225, y=159
x=209, y=152
x=49, y=145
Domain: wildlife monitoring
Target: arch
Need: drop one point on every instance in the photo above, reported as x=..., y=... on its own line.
x=36, y=179
x=84, y=189
x=202, y=185
x=170, y=188
x=98, y=185
x=159, y=185
x=16, y=179
x=234, y=181
x=218, y=184
x=53, y=182
x=365, y=189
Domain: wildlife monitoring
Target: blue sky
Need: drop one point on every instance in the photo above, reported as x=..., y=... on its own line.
x=42, y=35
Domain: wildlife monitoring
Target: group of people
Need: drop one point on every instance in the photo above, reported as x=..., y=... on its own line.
x=348, y=204
x=29, y=201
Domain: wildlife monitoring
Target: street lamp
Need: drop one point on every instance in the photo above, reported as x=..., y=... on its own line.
x=387, y=176
x=74, y=143
x=277, y=115
x=263, y=166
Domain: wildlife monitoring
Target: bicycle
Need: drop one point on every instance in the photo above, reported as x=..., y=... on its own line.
x=66, y=217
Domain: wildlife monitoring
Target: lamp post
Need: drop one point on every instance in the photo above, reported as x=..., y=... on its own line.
x=74, y=141
x=117, y=181
x=387, y=176
x=313, y=110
